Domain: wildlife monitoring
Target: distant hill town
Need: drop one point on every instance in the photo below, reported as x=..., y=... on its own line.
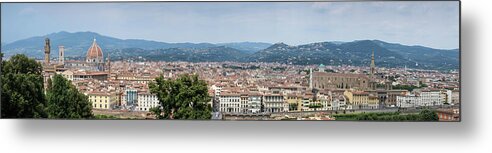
x=355, y=53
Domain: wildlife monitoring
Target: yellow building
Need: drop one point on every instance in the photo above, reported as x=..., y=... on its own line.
x=294, y=100
x=373, y=102
x=361, y=99
x=358, y=99
x=102, y=100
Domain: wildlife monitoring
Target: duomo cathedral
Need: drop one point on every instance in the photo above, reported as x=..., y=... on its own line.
x=94, y=66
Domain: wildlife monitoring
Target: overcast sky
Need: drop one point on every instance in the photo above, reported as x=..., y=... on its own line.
x=432, y=24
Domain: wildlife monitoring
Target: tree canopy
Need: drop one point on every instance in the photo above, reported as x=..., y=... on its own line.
x=424, y=115
x=22, y=88
x=428, y=115
x=65, y=101
x=183, y=98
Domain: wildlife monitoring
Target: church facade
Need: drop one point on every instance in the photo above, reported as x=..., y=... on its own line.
x=324, y=80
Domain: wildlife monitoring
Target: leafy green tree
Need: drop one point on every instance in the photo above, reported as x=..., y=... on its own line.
x=315, y=106
x=22, y=88
x=104, y=117
x=183, y=98
x=293, y=106
x=157, y=112
x=65, y=101
x=405, y=87
x=49, y=84
x=424, y=115
x=428, y=115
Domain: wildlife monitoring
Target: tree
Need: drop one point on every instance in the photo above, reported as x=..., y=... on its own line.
x=22, y=88
x=405, y=87
x=49, y=84
x=183, y=98
x=428, y=115
x=157, y=112
x=315, y=106
x=65, y=101
x=293, y=106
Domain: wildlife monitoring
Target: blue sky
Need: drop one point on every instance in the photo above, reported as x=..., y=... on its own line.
x=432, y=24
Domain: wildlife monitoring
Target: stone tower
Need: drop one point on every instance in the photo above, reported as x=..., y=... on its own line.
x=109, y=64
x=373, y=66
x=372, y=79
x=47, y=49
x=310, y=78
x=61, y=55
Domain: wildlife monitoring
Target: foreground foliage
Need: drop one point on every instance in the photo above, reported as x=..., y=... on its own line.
x=23, y=93
x=22, y=88
x=102, y=116
x=65, y=101
x=183, y=98
x=424, y=115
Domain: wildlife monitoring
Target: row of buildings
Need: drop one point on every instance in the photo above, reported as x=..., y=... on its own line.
x=252, y=88
x=229, y=100
x=428, y=97
x=104, y=88
x=129, y=99
x=329, y=91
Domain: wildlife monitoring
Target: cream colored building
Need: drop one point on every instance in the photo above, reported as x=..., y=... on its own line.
x=254, y=102
x=361, y=100
x=102, y=100
x=275, y=103
x=325, y=101
x=293, y=99
x=373, y=102
x=67, y=75
x=146, y=101
x=229, y=102
x=244, y=103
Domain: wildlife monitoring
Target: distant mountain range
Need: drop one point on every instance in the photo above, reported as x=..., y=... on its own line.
x=249, y=47
x=76, y=44
x=359, y=53
x=356, y=53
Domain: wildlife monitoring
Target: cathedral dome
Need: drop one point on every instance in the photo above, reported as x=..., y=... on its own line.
x=94, y=52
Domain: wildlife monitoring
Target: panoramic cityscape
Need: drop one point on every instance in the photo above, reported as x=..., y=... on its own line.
x=88, y=75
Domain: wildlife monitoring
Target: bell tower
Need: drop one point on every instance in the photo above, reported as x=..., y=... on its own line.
x=61, y=55
x=372, y=79
x=109, y=64
x=373, y=66
x=47, y=50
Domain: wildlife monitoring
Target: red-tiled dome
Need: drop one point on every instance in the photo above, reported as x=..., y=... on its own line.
x=94, y=51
